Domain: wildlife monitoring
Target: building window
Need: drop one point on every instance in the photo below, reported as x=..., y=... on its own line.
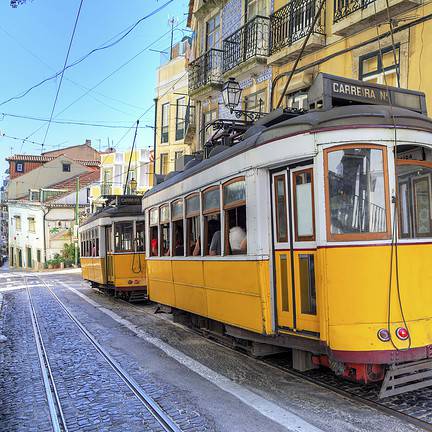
x=66, y=167
x=38, y=256
x=254, y=8
x=234, y=196
x=357, y=193
x=178, y=154
x=165, y=122
x=34, y=195
x=19, y=167
x=380, y=67
x=164, y=163
x=31, y=224
x=180, y=118
x=18, y=223
x=213, y=33
x=256, y=101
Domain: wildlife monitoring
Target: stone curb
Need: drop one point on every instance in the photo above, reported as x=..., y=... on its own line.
x=3, y=338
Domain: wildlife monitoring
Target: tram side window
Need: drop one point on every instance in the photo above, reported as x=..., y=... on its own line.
x=212, y=221
x=193, y=225
x=177, y=224
x=123, y=235
x=153, y=235
x=304, y=205
x=140, y=236
x=357, y=193
x=415, y=196
x=234, y=193
x=164, y=230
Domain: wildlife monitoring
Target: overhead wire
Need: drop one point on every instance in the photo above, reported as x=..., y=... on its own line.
x=62, y=74
x=394, y=258
x=106, y=78
x=100, y=48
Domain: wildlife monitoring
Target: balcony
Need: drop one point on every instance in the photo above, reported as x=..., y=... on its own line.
x=249, y=44
x=353, y=16
x=205, y=72
x=106, y=188
x=289, y=26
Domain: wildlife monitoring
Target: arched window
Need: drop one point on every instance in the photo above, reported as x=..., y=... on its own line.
x=212, y=221
x=153, y=235
x=193, y=225
x=177, y=226
x=164, y=219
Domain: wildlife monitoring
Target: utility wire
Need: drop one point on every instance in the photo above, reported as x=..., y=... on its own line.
x=103, y=47
x=107, y=77
x=62, y=74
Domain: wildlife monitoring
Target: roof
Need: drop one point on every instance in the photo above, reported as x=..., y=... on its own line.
x=70, y=184
x=115, y=211
x=270, y=128
x=86, y=144
x=42, y=159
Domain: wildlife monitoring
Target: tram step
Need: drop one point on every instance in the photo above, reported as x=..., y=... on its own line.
x=137, y=296
x=405, y=377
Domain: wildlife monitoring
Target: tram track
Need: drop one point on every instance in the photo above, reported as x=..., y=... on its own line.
x=311, y=378
x=58, y=420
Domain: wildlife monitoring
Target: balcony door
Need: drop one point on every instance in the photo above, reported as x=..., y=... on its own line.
x=295, y=250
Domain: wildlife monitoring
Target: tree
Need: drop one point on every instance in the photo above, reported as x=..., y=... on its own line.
x=16, y=3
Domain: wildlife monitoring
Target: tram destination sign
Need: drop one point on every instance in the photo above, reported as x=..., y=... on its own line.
x=329, y=91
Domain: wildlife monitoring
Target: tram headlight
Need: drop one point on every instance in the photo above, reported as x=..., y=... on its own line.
x=383, y=335
x=402, y=333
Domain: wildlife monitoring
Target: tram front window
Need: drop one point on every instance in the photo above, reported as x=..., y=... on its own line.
x=414, y=184
x=123, y=235
x=356, y=192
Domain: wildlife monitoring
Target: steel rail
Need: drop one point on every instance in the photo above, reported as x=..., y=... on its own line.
x=54, y=405
x=152, y=406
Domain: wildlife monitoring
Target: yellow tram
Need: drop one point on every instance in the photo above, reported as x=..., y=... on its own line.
x=313, y=233
x=112, y=248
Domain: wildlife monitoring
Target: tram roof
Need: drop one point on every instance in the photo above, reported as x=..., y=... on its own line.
x=112, y=212
x=271, y=128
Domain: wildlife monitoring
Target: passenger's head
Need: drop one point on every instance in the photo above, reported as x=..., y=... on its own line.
x=213, y=225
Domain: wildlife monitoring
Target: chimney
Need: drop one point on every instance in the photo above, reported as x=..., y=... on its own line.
x=88, y=142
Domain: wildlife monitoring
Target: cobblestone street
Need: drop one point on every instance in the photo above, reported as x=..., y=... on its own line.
x=198, y=384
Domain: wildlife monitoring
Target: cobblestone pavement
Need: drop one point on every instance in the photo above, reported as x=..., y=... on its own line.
x=23, y=405
x=93, y=397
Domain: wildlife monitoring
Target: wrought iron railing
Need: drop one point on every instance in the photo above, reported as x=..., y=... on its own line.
x=343, y=8
x=293, y=21
x=206, y=69
x=250, y=40
x=106, y=188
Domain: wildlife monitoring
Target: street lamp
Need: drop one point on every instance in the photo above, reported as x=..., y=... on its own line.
x=231, y=95
x=133, y=186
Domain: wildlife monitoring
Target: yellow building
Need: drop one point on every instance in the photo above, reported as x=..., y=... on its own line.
x=113, y=173
x=258, y=41
x=173, y=126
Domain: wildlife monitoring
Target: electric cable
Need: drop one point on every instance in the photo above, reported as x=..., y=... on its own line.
x=103, y=47
x=62, y=74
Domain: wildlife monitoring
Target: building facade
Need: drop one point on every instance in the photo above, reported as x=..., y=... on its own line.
x=174, y=130
x=44, y=194
x=257, y=42
x=114, y=170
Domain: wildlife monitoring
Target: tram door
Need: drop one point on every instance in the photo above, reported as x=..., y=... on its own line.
x=295, y=250
x=109, y=257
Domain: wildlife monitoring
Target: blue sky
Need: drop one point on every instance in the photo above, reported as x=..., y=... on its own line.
x=33, y=43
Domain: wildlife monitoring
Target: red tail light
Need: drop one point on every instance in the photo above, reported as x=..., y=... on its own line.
x=383, y=335
x=402, y=333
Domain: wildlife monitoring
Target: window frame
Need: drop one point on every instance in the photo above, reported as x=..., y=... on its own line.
x=180, y=108
x=237, y=203
x=379, y=54
x=17, y=164
x=177, y=218
x=276, y=202
x=165, y=134
x=294, y=194
x=161, y=163
x=66, y=165
x=212, y=210
x=359, y=236
x=414, y=236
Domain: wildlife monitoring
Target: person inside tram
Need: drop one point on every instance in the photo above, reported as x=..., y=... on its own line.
x=178, y=245
x=196, y=248
x=237, y=240
x=215, y=233
x=154, y=247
